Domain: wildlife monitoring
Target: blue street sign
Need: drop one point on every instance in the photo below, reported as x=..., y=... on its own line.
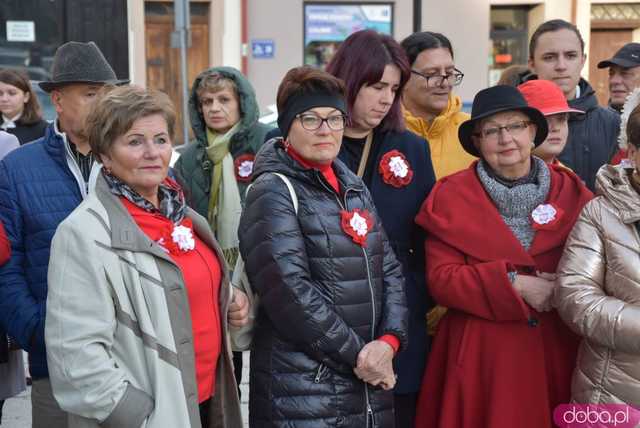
x=263, y=48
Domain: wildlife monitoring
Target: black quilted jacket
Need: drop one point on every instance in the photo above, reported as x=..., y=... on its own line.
x=322, y=298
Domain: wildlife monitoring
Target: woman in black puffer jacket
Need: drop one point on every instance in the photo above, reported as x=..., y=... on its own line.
x=332, y=308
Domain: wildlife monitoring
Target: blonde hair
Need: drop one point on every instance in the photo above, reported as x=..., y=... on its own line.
x=215, y=82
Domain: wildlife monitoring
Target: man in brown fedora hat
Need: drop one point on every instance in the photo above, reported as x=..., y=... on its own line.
x=40, y=184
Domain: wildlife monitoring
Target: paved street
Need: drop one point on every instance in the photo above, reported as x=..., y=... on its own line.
x=17, y=410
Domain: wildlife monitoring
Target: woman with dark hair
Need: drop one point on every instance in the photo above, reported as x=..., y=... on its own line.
x=502, y=357
x=395, y=164
x=431, y=109
x=332, y=310
x=21, y=114
x=434, y=112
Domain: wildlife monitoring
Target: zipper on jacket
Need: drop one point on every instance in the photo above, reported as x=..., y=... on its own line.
x=369, y=410
x=373, y=324
x=72, y=165
x=319, y=373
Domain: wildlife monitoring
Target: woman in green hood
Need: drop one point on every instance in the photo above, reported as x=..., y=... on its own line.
x=216, y=166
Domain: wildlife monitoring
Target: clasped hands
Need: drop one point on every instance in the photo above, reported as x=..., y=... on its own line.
x=375, y=365
x=537, y=290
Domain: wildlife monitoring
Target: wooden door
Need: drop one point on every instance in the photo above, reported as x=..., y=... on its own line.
x=163, y=61
x=604, y=43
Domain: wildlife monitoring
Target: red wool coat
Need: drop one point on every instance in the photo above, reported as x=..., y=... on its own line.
x=495, y=361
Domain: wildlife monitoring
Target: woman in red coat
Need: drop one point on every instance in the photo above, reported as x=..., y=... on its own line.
x=502, y=358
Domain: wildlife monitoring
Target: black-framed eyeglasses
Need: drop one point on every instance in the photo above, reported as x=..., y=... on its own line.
x=454, y=78
x=514, y=129
x=312, y=122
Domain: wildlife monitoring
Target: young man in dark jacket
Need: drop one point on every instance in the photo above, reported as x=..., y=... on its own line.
x=40, y=184
x=556, y=53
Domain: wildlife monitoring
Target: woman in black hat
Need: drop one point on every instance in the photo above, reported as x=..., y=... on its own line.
x=502, y=357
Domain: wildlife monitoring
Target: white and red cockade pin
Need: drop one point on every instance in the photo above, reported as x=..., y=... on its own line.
x=357, y=224
x=178, y=238
x=395, y=169
x=546, y=216
x=244, y=167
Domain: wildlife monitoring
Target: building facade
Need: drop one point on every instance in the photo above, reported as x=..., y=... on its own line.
x=265, y=38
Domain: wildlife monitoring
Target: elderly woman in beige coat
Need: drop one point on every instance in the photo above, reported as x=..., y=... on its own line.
x=598, y=292
x=139, y=298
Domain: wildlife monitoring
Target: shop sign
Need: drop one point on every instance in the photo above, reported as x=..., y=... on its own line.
x=21, y=31
x=263, y=48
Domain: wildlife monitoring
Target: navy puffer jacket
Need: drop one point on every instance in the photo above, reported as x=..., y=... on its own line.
x=37, y=192
x=323, y=297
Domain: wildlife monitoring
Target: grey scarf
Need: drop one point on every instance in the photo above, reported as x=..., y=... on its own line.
x=516, y=203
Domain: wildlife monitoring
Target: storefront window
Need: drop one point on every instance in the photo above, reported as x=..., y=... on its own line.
x=509, y=39
x=30, y=34
x=327, y=25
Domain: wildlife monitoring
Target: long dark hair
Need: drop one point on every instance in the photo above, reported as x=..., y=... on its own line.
x=32, y=112
x=361, y=60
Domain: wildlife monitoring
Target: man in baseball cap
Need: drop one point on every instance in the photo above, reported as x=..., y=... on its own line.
x=624, y=73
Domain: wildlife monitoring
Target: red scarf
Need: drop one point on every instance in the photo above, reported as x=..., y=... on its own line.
x=325, y=169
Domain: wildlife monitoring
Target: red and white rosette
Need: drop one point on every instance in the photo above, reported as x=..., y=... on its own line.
x=546, y=216
x=244, y=167
x=179, y=238
x=357, y=224
x=395, y=169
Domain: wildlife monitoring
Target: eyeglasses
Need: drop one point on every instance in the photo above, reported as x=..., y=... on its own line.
x=514, y=129
x=312, y=122
x=453, y=79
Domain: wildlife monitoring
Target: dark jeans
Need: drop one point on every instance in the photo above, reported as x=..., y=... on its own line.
x=237, y=368
x=1, y=405
x=405, y=409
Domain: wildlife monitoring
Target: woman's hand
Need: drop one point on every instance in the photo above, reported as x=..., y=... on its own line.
x=537, y=291
x=239, y=309
x=375, y=364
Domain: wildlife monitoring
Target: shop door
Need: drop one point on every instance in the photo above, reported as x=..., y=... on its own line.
x=163, y=61
x=603, y=44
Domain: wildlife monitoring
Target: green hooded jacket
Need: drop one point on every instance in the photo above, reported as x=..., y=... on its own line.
x=193, y=168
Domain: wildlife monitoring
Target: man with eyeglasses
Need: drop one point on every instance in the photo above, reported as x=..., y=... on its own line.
x=431, y=110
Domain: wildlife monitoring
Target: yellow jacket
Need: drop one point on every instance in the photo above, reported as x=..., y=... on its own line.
x=447, y=153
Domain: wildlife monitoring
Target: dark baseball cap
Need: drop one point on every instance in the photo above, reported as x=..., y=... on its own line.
x=627, y=57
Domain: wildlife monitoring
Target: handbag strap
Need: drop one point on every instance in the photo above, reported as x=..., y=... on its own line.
x=365, y=155
x=292, y=192
x=239, y=267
